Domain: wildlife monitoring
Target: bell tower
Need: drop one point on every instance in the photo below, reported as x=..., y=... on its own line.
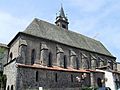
x=61, y=19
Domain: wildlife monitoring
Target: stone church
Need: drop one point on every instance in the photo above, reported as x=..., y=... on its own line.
x=55, y=58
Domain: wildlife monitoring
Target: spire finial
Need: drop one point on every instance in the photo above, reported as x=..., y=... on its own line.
x=62, y=12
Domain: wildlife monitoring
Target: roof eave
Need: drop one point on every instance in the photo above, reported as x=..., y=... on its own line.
x=16, y=36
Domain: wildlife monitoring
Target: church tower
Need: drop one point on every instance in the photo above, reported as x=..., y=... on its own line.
x=61, y=19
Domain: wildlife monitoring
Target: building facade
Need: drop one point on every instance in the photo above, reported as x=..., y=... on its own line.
x=50, y=56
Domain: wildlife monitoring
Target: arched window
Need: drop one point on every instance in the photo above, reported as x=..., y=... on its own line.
x=33, y=56
x=56, y=77
x=12, y=87
x=111, y=65
x=99, y=83
x=77, y=63
x=65, y=61
x=71, y=78
x=8, y=87
x=50, y=60
x=11, y=56
x=98, y=61
x=37, y=76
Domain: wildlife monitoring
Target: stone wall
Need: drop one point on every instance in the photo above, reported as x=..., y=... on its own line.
x=31, y=78
x=27, y=79
x=10, y=71
x=94, y=76
x=83, y=56
x=14, y=50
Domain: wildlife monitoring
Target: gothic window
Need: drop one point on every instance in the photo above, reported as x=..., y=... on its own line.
x=33, y=56
x=111, y=65
x=11, y=56
x=93, y=62
x=12, y=87
x=99, y=83
x=8, y=87
x=22, y=53
x=77, y=63
x=56, y=77
x=50, y=60
x=65, y=61
x=88, y=63
x=80, y=60
x=71, y=78
x=37, y=76
x=98, y=62
x=69, y=54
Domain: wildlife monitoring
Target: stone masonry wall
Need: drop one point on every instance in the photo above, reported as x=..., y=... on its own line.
x=10, y=71
x=27, y=79
x=94, y=76
x=14, y=49
x=35, y=43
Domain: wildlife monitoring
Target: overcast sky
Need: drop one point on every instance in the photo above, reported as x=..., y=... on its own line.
x=99, y=19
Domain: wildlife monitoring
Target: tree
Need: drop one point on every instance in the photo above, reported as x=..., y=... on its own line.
x=3, y=79
x=2, y=53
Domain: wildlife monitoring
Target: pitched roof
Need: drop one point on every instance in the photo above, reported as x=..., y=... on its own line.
x=50, y=31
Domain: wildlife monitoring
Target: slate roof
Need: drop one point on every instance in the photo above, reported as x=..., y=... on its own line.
x=50, y=31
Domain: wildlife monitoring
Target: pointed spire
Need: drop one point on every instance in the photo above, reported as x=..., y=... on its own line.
x=62, y=12
x=61, y=19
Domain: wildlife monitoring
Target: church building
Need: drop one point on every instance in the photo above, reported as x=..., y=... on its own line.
x=55, y=58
